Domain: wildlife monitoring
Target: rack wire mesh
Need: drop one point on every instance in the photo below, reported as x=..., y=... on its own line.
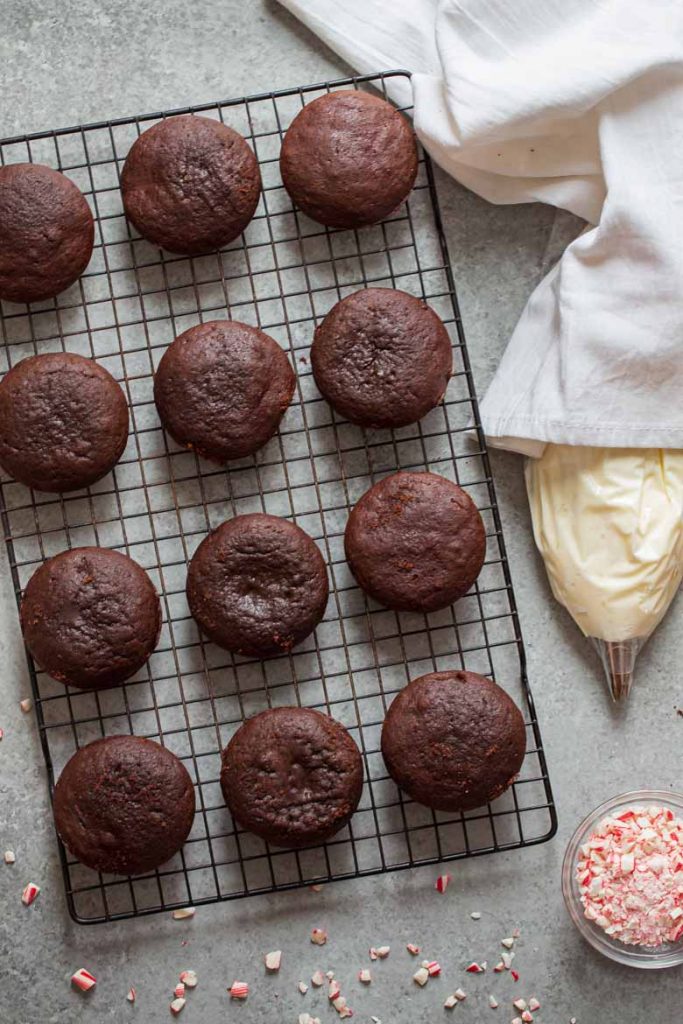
x=283, y=275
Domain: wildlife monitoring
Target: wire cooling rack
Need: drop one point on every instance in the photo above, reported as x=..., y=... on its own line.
x=283, y=275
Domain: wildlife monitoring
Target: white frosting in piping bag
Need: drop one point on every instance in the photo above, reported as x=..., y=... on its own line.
x=608, y=524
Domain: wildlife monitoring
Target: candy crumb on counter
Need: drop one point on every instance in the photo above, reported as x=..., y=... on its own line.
x=364, y=975
x=433, y=967
x=318, y=979
x=131, y=995
x=83, y=979
x=9, y=857
x=303, y=987
x=493, y=1002
x=514, y=975
x=534, y=1004
x=239, y=990
x=305, y=1018
x=508, y=943
x=379, y=952
x=460, y=995
x=475, y=915
x=413, y=949
x=273, y=960
x=519, y=1004
x=26, y=704
x=507, y=959
x=189, y=979
x=183, y=913
x=421, y=976
x=442, y=882
x=2, y=733
x=475, y=968
x=333, y=990
x=527, y=1017
x=516, y=1020
x=179, y=990
x=329, y=975
x=177, y=1005
x=29, y=894
x=450, y=1002
x=628, y=873
x=318, y=937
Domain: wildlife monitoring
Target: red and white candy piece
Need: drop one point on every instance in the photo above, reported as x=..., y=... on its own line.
x=364, y=975
x=514, y=975
x=333, y=990
x=329, y=975
x=10, y=857
x=508, y=943
x=507, y=959
x=131, y=995
x=26, y=705
x=442, y=882
x=179, y=990
x=519, y=1004
x=273, y=960
x=493, y=1002
x=177, y=1005
x=413, y=949
x=83, y=979
x=534, y=1004
x=421, y=976
x=239, y=990
x=450, y=1002
x=189, y=979
x=475, y=915
x=379, y=952
x=475, y=968
x=2, y=734
x=499, y=967
x=29, y=894
x=315, y=888
x=305, y=1018
x=432, y=966
x=318, y=937
x=527, y=1017
x=318, y=979
x=303, y=987
x=183, y=913
x=516, y=1020
x=460, y=995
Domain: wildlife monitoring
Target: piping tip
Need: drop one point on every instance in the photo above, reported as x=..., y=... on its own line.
x=618, y=659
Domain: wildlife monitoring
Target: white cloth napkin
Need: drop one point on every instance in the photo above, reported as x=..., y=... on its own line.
x=579, y=105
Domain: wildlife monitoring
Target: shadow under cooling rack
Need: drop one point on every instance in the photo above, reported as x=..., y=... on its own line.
x=283, y=275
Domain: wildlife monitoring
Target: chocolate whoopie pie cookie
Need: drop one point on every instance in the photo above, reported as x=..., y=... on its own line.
x=382, y=358
x=124, y=805
x=63, y=422
x=453, y=740
x=257, y=585
x=222, y=389
x=190, y=184
x=292, y=775
x=415, y=542
x=348, y=159
x=46, y=232
x=90, y=617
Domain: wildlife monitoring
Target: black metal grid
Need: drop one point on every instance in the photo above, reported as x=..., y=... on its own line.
x=157, y=505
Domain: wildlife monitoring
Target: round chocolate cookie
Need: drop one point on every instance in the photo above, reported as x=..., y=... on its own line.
x=63, y=422
x=382, y=358
x=292, y=775
x=415, y=542
x=348, y=159
x=90, y=617
x=453, y=740
x=46, y=232
x=124, y=805
x=190, y=184
x=222, y=388
x=257, y=585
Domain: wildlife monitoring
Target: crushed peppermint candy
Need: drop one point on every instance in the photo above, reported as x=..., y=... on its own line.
x=534, y=1004
x=516, y=1020
x=29, y=894
x=179, y=990
x=527, y=1017
x=413, y=949
x=379, y=952
x=514, y=975
x=303, y=987
x=493, y=1002
x=83, y=979
x=450, y=1002
x=519, y=1004
x=432, y=966
x=364, y=976
x=421, y=976
x=177, y=1005
x=475, y=968
x=329, y=975
x=273, y=960
x=316, y=888
x=508, y=943
x=475, y=915
x=2, y=734
x=189, y=979
x=10, y=857
x=318, y=979
x=333, y=990
x=26, y=704
x=507, y=959
x=460, y=995
x=183, y=913
x=630, y=876
x=305, y=1018
x=318, y=937
x=131, y=995
x=239, y=990
x=500, y=966
x=442, y=882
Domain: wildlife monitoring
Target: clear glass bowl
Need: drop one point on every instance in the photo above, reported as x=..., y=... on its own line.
x=652, y=957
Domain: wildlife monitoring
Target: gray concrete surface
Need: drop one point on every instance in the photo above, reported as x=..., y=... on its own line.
x=64, y=61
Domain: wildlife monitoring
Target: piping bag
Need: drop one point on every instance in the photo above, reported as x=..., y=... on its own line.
x=608, y=523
